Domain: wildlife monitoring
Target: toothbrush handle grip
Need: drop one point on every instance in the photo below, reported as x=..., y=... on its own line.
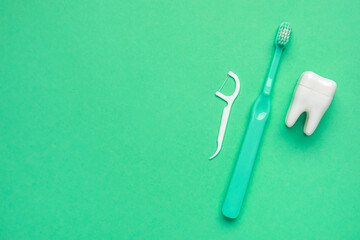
x=242, y=172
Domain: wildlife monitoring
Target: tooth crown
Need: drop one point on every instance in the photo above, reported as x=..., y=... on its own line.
x=313, y=95
x=318, y=83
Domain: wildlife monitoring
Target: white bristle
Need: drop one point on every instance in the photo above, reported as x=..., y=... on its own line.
x=283, y=35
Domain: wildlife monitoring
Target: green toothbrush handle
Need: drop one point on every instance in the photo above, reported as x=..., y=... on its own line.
x=242, y=172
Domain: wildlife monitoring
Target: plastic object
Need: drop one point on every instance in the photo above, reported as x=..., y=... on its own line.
x=313, y=95
x=226, y=112
x=259, y=115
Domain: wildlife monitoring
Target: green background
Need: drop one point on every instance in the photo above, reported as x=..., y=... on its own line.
x=108, y=116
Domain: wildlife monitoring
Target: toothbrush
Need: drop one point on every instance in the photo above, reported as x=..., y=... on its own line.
x=259, y=115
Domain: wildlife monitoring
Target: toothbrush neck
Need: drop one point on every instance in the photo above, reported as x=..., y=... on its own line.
x=272, y=72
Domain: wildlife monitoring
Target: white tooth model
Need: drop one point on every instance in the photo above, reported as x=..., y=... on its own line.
x=313, y=95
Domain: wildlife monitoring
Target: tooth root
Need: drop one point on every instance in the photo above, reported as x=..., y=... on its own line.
x=294, y=112
x=313, y=94
x=312, y=121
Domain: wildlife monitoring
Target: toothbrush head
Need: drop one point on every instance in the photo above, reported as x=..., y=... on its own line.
x=283, y=34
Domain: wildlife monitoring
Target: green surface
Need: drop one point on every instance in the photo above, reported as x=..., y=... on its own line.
x=108, y=116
